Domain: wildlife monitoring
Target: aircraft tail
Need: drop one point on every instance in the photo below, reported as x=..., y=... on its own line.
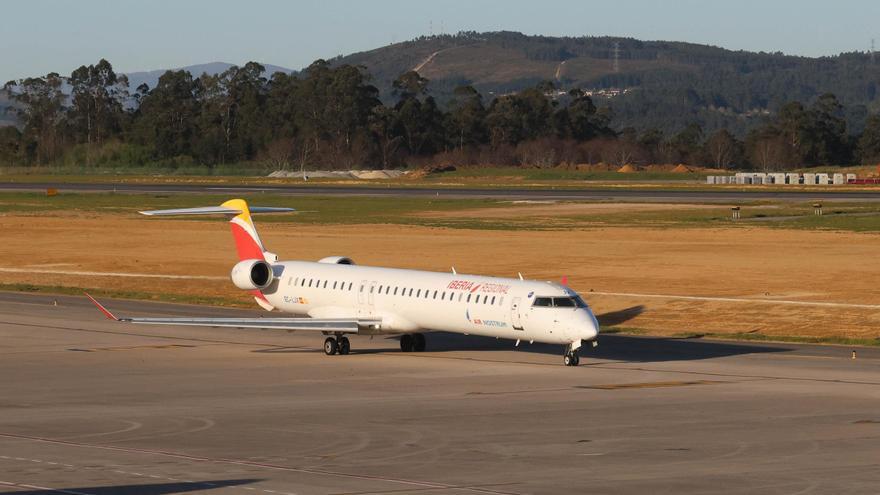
x=244, y=232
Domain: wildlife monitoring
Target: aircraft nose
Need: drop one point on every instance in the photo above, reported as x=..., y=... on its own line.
x=589, y=326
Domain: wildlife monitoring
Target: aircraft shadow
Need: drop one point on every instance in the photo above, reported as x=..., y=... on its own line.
x=150, y=489
x=612, y=346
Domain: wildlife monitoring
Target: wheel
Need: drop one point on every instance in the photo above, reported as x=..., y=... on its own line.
x=571, y=359
x=567, y=359
x=344, y=346
x=406, y=343
x=577, y=360
x=419, y=343
x=330, y=346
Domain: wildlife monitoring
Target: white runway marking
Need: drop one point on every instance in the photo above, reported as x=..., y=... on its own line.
x=43, y=488
x=737, y=300
x=110, y=274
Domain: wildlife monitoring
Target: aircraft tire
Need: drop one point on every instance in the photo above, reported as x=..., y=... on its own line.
x=344, y=346
x=330, y=346
x=406, y=343
x=419, y=343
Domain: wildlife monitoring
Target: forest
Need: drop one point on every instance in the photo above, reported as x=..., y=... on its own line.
x=331, y=116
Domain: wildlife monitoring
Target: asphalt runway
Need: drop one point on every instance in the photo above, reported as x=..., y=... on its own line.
x=90, y=406
x=587, y=193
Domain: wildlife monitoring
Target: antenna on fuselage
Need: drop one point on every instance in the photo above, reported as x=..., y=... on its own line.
x=520, y=275
x=453, y=271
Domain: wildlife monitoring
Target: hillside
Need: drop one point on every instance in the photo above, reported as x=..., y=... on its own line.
x=668, y=84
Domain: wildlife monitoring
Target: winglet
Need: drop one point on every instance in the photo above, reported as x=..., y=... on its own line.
x=104, y=310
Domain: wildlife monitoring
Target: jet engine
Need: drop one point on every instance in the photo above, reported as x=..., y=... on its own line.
x=337, y=260
x=252, y=274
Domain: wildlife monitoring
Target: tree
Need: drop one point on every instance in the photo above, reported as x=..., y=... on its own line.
x=167, y=119
x=97, y=97
x=41, y=107
x=467, y=117
x=420, y=122
x=869, y=143
x=721, y=146
x=10, y=145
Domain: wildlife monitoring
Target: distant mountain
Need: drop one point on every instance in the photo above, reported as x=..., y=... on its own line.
x=659, y=84
x=151, y=78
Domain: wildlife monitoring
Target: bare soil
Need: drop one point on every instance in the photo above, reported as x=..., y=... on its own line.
x=758, y=263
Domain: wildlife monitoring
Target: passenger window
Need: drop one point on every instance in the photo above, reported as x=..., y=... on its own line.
x=395, y=291
x=325, y=283
x=460, y=296
x=349, y=286
x=435, y=294
x=501, y=301
x=419, y=293
x=294, y=282
x=362, y=288
x=410, y=293
x=372, y=288
x=493, y=300
x=310, y=282
x=543, y=302
x=469, y=298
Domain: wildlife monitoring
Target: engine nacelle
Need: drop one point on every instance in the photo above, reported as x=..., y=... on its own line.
x=337, y=260
x=252, y=274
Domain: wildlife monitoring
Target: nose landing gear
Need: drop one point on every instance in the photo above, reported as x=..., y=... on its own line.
x=571, y=357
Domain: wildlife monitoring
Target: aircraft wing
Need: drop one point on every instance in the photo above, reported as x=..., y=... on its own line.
x=334, y=325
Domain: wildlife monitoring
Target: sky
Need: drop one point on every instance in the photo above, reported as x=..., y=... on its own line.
x=42, y=36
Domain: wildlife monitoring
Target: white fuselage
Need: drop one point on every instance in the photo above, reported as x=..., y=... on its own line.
x=409, y=301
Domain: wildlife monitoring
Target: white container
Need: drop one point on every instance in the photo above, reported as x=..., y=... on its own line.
x=793, y=179
x=810, y=179
x=850, y=177
x=838, y=179
x=779, y=178
x=822, y=179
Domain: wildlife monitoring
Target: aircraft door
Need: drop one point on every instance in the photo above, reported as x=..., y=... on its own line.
x=371, y=300
x=362, y=287
x=515, y=318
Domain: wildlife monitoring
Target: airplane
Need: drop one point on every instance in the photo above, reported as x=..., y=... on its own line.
x=336, y=297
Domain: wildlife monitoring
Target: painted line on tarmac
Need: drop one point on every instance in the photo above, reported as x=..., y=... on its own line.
x=110, y=274
x=737, y=300
x=41, y=488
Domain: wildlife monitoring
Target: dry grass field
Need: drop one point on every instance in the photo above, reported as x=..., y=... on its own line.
x=752, y=268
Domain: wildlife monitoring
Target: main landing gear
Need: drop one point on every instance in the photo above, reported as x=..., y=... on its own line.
x=333, y=346
x=412, y=342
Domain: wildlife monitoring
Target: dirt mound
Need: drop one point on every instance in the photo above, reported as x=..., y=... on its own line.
x=681, y=168
x=627, y=169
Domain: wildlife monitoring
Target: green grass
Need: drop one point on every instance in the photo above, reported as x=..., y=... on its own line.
x=134, y=295
x=560, y=174
x=351, y=210
x=310, y=209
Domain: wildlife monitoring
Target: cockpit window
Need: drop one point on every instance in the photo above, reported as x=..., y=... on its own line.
x=563, y=302
x=543, y=302
x=559, y=302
